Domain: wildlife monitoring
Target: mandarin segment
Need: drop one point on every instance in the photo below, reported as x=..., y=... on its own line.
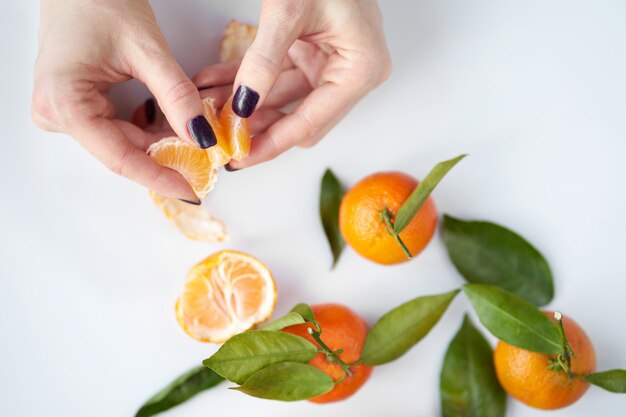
x=236, y=130
x=225, y=294
x=343, y=329
x=189, y=160
x=363, y=228
x=527, y=376
x=220, y=154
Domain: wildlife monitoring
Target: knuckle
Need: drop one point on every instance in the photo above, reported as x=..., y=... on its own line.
x=56, y=105
x=114, y=166
x=283, y=11
x=259, y=59
x=42, y=112
x=373, y=70
x=307, y=126
x=179, y=92
x=119, y=164
x=386, y=70
x=308, y=143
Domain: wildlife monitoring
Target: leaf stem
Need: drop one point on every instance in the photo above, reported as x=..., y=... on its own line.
x=386, y=216
x=332, y=355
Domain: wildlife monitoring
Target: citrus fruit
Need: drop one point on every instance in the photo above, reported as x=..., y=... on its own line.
x=362, y=226
x=341, y=329
x=189, y=160
x=193, y=221
x=227, y=293
x=530, y=378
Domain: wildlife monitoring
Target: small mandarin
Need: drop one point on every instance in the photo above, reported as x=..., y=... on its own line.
x=361, y=224
x=527, y=376
x=341, y=329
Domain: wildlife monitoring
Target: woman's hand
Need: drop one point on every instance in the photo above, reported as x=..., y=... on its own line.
x=87, y=45
x=329, y=52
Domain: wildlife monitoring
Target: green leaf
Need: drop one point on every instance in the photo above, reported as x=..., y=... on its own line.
x=401, y=328
x=513, y=319
x=305, y=311
x=468, y=383
x=290, y=319
x=411, y=206
x=613, y=380
x=247, y=353
x=331, y=194
x=486, y=253
x=180, y=390
x=287, y=381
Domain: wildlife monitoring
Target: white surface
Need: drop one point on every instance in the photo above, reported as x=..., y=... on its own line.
x=535, y=92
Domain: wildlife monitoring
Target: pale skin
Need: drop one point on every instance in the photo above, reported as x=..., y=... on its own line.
x=324, y=54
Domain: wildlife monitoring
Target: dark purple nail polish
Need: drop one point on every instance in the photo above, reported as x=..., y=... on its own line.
x=202, y=132
x=245, y=101
x=229, y=168
x=150, y=109
x=195, y=203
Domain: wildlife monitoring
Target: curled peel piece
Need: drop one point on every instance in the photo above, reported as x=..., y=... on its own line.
x=236, y=39
x=193, y=221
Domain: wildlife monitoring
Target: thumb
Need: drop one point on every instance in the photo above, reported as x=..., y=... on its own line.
x=279, y=27
x=176, y=95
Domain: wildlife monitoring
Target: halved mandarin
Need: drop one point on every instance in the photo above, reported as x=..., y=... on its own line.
x=226, y=294
x=190, y=161
x=192, y=221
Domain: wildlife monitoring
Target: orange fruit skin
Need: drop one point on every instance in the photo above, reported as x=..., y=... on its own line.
x=363, y=229
x=341, y=329
x=525, y=375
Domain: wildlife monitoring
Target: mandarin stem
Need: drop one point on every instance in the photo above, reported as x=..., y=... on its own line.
x=332, y=355
x=386, y=216
x=565, y=357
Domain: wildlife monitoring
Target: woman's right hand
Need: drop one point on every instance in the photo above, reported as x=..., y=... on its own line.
x=85, y=46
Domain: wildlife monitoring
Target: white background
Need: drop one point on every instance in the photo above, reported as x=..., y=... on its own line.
x=534, y=91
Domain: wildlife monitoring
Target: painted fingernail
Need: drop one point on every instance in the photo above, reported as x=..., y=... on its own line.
x=230, y=168
x=202, y=132
x=150, y=109
x=245, y=101
x=195, y=203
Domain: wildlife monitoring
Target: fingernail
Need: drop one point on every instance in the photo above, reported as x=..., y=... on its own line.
x=150, y=110
x=202, y=132
x=245, y=101
x=195, y=203
x=230, y=168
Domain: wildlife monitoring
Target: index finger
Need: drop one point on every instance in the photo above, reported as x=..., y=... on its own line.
x=120, y=146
